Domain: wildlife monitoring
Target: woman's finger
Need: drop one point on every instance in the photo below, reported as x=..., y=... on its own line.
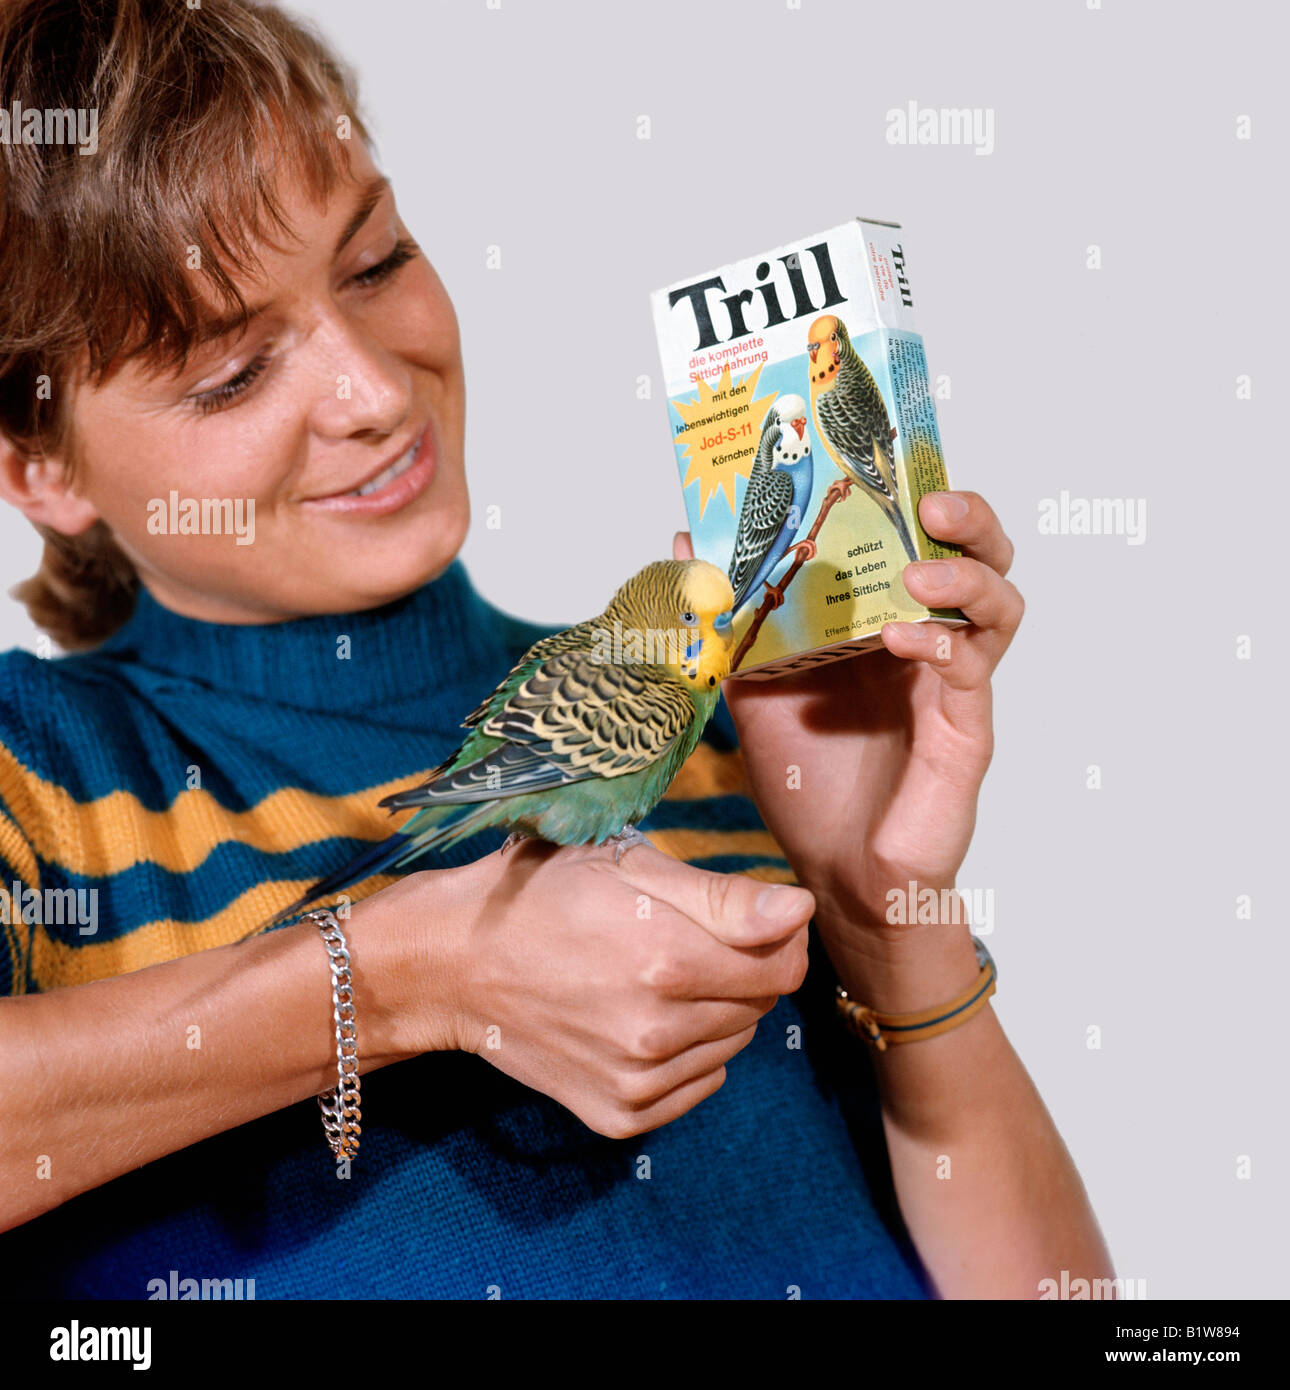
x=671, y=1107
x=682, y=549
x=960, y=663
x=655, y=1080
x=993, y=604
x=968, y=520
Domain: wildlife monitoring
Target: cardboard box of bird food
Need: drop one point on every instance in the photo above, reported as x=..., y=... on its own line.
x=805, y=434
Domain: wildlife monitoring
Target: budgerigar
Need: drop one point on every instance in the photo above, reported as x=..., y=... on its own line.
x=775, y=502
x=852, y=422
x=585, y=734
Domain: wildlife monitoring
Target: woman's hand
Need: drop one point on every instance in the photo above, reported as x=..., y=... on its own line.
x=621, y=989
x=891, y=746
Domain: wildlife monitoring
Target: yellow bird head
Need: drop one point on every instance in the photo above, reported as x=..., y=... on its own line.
x=676, y=613
x=827, y=343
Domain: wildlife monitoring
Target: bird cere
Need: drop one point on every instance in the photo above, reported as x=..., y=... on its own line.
x=805, y=434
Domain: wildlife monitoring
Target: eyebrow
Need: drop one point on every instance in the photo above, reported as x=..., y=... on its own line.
x=372, y=192
x=368, y=199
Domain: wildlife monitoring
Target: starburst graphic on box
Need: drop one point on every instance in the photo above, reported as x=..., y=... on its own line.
x=722, y=430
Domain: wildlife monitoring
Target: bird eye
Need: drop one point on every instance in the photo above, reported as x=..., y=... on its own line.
x=833, y=337
x=690, y=619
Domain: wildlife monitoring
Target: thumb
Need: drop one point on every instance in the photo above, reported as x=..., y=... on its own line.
x=682, y=549
x=737, y=910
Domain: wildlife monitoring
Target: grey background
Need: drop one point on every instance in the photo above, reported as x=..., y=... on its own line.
x=1117, y=126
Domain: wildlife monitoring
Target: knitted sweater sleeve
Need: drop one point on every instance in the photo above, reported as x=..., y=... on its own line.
x=20, y=879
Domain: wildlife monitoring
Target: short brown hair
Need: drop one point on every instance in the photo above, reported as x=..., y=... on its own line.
x=196, y=109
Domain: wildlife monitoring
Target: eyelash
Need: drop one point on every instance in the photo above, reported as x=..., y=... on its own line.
x=229, y=390
x=405, y=250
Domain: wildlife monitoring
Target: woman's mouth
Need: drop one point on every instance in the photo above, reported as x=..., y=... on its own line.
x=392, y=488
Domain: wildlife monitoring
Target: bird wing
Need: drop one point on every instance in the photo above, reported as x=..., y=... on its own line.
x=592, y=717
x=885, y=473
x=767, y=501
x=573, y=638
x=854, y=421
x=573, y=717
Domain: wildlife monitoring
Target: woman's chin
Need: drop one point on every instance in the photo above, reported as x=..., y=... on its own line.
x=380, y=574
x=380, y=584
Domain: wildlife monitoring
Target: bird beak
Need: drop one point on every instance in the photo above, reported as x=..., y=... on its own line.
x=812, y=348
x=800, y=426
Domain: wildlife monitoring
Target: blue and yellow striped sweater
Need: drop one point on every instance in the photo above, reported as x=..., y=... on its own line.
x=168, y=791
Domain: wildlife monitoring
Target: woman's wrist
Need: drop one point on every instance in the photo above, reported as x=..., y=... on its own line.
x=405, y=973
x=898, y=968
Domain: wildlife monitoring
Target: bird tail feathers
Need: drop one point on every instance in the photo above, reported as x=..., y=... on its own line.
x=902, y=527
x=889, y=494
x=423, y=832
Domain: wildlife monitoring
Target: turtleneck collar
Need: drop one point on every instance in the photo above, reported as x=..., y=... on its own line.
x=334, y=662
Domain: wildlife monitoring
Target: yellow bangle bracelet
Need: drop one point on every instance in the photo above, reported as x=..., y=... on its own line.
x=880, y=1029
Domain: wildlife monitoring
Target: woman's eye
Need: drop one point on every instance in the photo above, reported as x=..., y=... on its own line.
x=235, y=386
x=405, y=249
x=228, y=391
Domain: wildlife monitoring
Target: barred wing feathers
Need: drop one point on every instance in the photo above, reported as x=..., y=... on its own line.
x=572, y=718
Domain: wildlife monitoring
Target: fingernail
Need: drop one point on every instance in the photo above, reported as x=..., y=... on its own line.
x=935, y=574
x=951, y=506
x=781, y=902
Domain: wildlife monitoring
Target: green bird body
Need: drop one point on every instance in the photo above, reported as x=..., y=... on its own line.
x=571, y=812
x=584, y=735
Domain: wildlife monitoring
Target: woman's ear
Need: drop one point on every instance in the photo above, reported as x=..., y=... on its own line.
x=40, y=488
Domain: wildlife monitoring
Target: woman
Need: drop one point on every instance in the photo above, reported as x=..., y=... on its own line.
x=220, y=304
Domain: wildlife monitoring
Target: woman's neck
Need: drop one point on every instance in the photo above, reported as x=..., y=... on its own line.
x=335, y=662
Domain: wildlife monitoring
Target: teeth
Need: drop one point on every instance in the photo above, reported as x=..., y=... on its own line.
x=399, y=466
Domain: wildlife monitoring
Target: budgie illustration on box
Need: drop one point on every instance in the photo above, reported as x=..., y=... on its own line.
x=852, y=421
x=584, y=735
x=775, y=503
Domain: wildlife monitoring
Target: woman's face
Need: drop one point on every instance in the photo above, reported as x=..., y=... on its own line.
x=350, y=377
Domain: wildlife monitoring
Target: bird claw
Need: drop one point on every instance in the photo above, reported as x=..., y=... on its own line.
x=624, y=840
x=774, y=592
x=839, y=490
x=808, y=550
x=513, y=839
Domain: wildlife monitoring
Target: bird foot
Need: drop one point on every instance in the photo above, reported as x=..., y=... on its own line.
x=839, y=490
x=624, y=840
x=774, y=592
x=513, y=839
x=807, y=548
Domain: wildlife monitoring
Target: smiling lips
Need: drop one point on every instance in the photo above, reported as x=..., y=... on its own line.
x=396, y=469
x=392, y=488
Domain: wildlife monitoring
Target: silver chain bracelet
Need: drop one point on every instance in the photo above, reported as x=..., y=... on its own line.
x=339, y=1106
